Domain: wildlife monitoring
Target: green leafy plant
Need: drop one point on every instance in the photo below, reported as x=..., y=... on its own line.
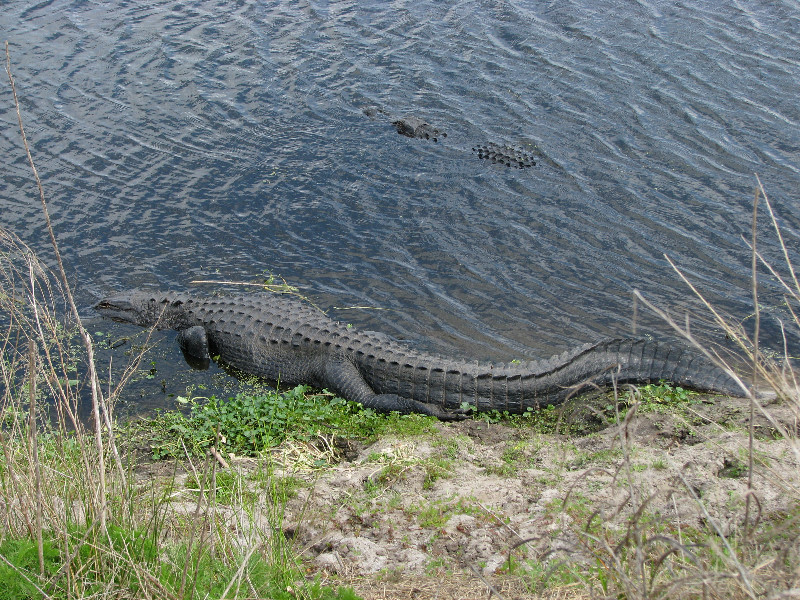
x=249, y=424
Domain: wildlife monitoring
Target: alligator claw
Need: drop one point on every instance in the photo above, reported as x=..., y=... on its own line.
x=440, y=413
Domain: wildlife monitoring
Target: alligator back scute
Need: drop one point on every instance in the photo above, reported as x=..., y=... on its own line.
x=510, y=156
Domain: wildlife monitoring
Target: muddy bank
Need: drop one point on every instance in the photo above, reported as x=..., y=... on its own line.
x=483, y=504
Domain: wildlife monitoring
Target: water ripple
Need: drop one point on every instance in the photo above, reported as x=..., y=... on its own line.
x=180, y=140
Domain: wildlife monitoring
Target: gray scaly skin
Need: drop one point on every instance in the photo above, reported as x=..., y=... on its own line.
x=283, y=339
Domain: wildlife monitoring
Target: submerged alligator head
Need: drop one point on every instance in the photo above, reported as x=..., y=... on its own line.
x=414, y=127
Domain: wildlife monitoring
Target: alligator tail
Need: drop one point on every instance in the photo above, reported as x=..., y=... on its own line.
x=645, y=361
x=516, y=387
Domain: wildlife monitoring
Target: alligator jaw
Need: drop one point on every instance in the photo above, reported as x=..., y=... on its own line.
x=118, y=309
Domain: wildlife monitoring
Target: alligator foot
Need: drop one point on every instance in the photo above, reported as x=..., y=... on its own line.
x=194, y=345
x=394, y=403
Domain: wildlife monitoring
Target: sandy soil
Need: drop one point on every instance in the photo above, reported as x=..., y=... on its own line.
x=483, y=506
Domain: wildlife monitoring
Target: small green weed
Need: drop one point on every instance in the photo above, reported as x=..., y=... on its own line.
x=288, y=486
x=651, y=398
x=229, y=488
x=733, y=469
x=450, y=446
x=435, y=469
x=659, y=464
x=544, y=420
x=391, y=473
x=437, y=513
x=249, y=424
x=436, y=566
x=434, y=515
x=663, y=397
x=515, y=457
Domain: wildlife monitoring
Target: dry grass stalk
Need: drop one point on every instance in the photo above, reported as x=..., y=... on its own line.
x=34, y=446
x=766, y=373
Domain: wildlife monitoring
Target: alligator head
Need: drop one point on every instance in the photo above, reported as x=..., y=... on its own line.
x=415, y=127
x=143, y=309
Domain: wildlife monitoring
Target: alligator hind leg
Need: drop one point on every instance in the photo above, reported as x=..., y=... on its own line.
x=342, y=377
x=194, y=345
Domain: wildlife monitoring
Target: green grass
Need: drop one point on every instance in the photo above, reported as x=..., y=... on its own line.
x=147, y=549
x=572, y=418
x=19, y=571
x=546, y=419
x=205, y=576
x=248, y=424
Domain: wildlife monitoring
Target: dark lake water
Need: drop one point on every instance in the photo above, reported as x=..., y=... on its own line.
x=227, y=140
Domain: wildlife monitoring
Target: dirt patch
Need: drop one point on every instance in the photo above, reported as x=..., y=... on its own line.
x=483, y=505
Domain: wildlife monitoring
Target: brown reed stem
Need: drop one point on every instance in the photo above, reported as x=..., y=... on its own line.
x=35, y=449
x=778, y=233
x=193, y=530
x=756, y=333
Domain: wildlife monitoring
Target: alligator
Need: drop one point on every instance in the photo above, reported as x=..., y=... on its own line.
x=504, y=154
x=282, y=339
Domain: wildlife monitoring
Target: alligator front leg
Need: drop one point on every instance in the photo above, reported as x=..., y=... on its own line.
x=344, y=378
x=194, y=345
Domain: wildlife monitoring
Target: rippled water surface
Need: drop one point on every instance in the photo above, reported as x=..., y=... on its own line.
x=225, y=140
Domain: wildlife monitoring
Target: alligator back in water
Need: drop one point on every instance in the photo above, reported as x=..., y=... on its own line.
x=280, y=338
x=503, y=154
